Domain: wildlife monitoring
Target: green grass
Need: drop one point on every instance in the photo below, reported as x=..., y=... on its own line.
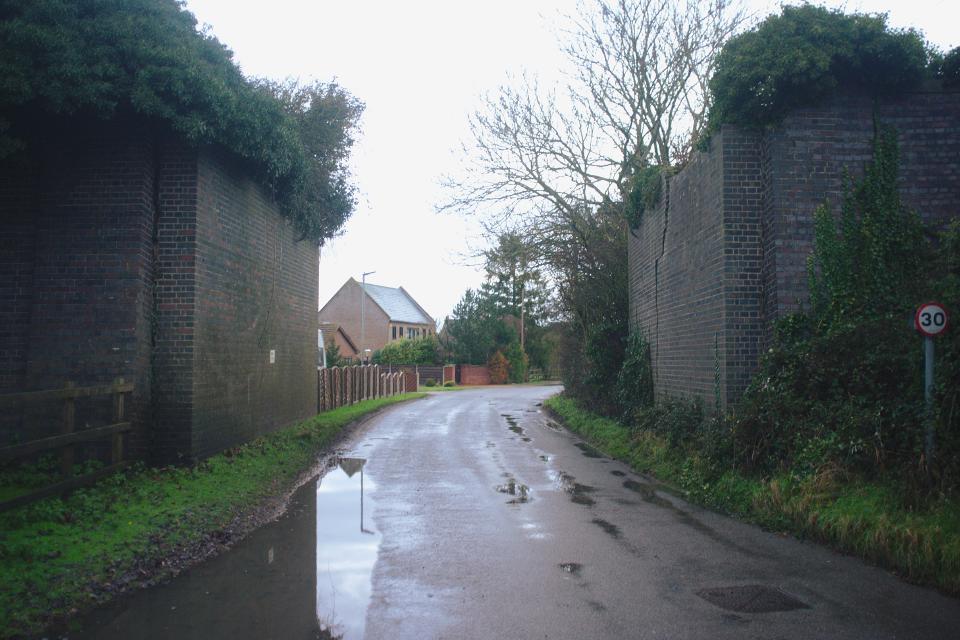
x=868, y=519
x=60, y=555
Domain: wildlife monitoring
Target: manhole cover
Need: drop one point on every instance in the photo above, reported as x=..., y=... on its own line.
x=752, y=598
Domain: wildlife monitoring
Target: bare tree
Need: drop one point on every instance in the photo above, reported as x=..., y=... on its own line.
x=638, y=96
x=645, y=65
x=555, y=166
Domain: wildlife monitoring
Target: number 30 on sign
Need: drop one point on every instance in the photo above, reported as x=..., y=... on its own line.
x=931, y=319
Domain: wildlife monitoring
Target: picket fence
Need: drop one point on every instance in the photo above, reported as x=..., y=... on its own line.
x=341, y=386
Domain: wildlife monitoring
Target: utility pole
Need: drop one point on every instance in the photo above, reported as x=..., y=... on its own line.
x=363, y=303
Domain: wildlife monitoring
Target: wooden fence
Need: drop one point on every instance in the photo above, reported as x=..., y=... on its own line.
x=341, y=386
x=69, y=437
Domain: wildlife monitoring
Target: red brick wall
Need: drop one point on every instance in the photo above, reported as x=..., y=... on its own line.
x=472, y=374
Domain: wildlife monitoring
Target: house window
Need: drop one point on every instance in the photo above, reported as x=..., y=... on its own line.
x=394, y=327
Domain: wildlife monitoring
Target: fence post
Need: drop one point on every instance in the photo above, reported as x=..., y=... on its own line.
x=327, y=389
x=116, y=449
x=322, y=385
x=69, y=416
x=335, y=387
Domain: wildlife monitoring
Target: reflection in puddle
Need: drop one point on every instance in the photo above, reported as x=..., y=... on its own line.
x=577, y=491
x=346, y=549
x=514, y=488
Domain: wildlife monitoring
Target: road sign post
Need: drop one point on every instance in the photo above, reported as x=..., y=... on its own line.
x=930, y=320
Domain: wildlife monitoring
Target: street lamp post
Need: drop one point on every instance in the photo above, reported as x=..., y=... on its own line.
x=363, y=300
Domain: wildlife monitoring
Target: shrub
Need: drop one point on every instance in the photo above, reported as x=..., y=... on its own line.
x=635, y=382
x=949, y=69
x=430, y=382
x=517, y=362
x=450, y=383
x=842, y=386
x=101, y=60
x=499, y=368
x=645, y=191
x=807, y=54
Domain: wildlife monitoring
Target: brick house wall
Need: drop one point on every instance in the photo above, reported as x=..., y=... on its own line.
x=344, y=309
x=126, y=253
x=724, y=255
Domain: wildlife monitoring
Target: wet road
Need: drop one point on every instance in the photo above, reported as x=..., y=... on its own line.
x=481, y=519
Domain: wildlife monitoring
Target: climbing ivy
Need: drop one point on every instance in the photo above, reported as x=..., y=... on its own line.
x=645, y=192
x=869, y=256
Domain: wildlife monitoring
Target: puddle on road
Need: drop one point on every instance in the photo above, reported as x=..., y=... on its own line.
x=619, y=474
x=588, y=451
x=573, y=568
x=306, y=575
x=611, y=529
x=347, y=549
x=514, y=488
x=578, y=492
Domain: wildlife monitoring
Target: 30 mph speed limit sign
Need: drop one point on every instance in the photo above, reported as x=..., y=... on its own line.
x=931, y=319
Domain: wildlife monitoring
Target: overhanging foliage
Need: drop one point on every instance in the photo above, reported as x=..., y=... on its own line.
x=107, y=58
x=807, y=54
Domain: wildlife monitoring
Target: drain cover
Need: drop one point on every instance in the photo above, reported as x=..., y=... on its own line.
x=752, y=598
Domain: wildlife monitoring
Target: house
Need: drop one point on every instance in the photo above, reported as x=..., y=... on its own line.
x=345, y=343
x=374, y=315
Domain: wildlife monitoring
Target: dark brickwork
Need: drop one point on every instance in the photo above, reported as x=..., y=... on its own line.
x=78, y=228
x=174, y=293
x=257, y=293
x=126, y=253
x=743, y=320
x=725, y=255
x=676, y=275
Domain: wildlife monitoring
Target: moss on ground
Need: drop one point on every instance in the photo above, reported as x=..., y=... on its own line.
x=61, y=556
x=869, y=519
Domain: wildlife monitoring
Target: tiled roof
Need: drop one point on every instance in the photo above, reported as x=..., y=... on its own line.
x=397, y=304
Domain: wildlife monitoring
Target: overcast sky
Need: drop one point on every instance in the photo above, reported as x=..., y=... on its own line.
x=420, y=66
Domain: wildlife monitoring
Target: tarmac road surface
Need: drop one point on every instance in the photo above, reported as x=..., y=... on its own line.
x=481, y=518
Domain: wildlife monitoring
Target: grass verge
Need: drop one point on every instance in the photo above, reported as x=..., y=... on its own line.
x=868, y=519
x=61, y=556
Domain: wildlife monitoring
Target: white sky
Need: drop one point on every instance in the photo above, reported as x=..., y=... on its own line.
x=420, y=67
